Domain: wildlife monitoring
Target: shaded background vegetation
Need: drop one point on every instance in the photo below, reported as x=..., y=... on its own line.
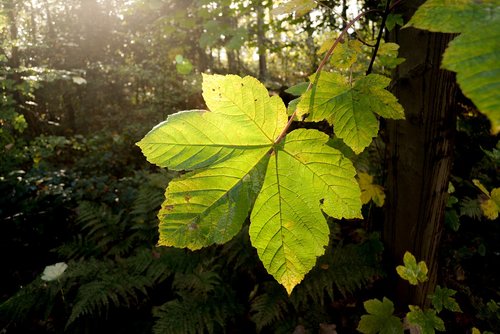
x=83, y=80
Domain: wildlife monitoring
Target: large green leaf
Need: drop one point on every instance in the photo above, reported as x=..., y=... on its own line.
x=303, y=176
x=350, y=109
x=236, y=165
x=475, y=54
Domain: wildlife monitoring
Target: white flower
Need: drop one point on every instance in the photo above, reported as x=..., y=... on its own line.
x=53, y=272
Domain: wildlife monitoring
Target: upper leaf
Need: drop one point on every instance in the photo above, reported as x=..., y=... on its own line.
x=304, y=176
x=427, y=320
x=411, y=271
x=452, y=16
x=350, y=109
x=475, y=54
x=380, y=318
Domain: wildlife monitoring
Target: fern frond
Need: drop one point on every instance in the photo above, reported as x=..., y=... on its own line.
x=201, y=281
x=269, y=307
x=191, y=314
x=471, y=208
x=347, y=268
x=36, y=298
x=114, y=286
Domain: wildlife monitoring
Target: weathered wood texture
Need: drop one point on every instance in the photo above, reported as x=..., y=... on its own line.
x=420, y=152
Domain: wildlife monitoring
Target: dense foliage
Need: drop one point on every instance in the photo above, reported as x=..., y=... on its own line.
x=83, y=81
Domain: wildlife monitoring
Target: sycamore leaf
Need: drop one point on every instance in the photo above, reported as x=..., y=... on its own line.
x=411, y=271
x=380, y=318
x=443, y=299
x=491, y=205
x=369, y=190
x=351, y=110
x=387, y=55
x=345, y=54
x=427, y=320
x=236, y=165
x=475, y=54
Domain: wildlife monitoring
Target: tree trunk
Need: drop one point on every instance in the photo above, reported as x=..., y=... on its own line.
x=420, y=153
x=261, y=43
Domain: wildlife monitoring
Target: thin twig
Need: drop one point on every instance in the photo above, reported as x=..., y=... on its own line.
x=379, y=37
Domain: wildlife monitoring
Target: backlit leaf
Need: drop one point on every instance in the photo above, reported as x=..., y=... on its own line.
x=380, y=318
x=388, y=55
x=236, y=166
x=411, y=271
x=287, y=225
x=351, y=110
x=475, y=54
x=346, y=54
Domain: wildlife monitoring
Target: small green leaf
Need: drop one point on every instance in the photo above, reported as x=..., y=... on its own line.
x=411, y=271
x=370, y=191
x=388, y=55
x=346, y=54
x=380, y=318
x=427, y=320
x=393, y=20
x=183, y=65
x=490, y=205
x=443, y=299
x=298, y=89
x=351, y=110
x=452, y=220
x=20, y=123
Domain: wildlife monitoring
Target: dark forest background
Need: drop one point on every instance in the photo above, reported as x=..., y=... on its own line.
x=83, y=80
